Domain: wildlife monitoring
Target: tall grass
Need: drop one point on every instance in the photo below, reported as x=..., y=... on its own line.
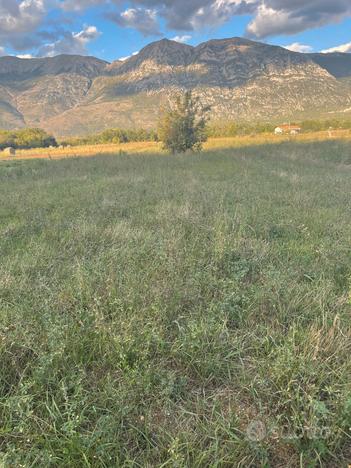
x=177, y=311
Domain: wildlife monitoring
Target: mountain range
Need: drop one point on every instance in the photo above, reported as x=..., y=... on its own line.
x=241, y=80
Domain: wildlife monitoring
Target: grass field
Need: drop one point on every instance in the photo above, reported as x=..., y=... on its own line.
x=186, y=311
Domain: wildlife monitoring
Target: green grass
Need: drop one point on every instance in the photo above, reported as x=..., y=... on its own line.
x=157, y=311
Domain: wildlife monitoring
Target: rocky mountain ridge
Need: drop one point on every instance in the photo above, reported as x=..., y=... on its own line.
x=239, y=78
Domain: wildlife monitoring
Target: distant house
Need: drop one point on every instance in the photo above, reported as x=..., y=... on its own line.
x=287, y=128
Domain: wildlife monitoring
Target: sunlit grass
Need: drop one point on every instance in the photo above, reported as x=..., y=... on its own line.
x=150, y=147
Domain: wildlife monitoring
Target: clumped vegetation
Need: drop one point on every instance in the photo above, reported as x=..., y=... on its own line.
x=183, y=126
x=233, y=129
x=113, y=135
x=26, y=138
x=160, y=311
x=211, y=130
x=317, y=125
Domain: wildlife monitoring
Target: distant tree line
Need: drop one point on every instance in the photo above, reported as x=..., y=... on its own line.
x=113, y=135
x=231, y=129
x=319, y=125
x=26, y=138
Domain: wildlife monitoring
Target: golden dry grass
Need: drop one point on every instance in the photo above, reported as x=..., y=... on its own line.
x=85, y=151
x=154, y=147
x=268, y=138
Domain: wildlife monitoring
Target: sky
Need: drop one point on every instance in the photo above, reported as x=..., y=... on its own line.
x=116, y=29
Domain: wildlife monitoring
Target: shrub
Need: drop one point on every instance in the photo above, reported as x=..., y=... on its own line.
x=183, y=127
x=26, y=138
x=113, y=135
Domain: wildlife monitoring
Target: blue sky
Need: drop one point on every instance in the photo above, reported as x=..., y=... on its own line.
x=111, y=29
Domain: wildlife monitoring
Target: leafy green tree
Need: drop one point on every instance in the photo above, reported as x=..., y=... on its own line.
x=7, y=139
x=33, y=138
x=26, y=138
x=183, y=127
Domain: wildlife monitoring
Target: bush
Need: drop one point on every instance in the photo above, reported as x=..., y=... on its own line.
x=113, y=135
x=26, y=138
x=233, y=129
x=184, y=127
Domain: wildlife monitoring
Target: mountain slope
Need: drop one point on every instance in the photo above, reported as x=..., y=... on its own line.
x=33, y=90
x=10, y=117
x=240, y=79
x=337, y=64
x=17, y=69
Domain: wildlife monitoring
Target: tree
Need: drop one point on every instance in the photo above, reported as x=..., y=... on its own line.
x=26, y=138
x=183, y=127
x=7, y=139
x=33, y=138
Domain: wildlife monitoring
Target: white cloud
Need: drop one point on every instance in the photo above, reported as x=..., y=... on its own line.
x=145, y=21
x=297, y=47
x=345, y=48
x=80, y=5
x=269, y=21
x=24, y=23
x=24, y=56
x=276, y=17
x=71, y=43
x=123, y=59
x=269, y=17
x=182, y=39
x=20, y=21
x=216, y=12
x=2, y=51
x=21, y=17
